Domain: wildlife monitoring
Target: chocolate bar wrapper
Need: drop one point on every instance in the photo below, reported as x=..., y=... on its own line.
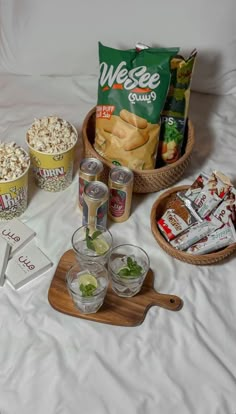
x=213, y=192
x=227, y=208
x=217, y=240
x=196, y=232
x=195, y=188
x=177, y=218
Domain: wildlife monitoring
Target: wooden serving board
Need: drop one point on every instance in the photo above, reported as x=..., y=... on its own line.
x=115, y=309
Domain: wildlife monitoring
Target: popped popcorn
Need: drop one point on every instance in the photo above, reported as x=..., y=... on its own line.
x=51, y=135
x=14, y=161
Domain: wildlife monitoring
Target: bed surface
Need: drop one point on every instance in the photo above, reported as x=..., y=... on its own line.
x=182, y=362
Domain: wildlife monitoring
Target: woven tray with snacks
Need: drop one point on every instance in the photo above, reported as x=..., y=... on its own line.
x=145, y=181
x=187, y=226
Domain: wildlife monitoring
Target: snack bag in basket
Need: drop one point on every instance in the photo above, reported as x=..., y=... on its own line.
x=175, y=112
x=132, y=89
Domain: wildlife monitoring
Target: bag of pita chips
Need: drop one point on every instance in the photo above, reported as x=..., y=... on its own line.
x=132, y=90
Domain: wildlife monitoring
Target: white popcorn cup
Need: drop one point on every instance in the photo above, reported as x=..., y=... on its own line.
x=14, y=196
x=53, y=171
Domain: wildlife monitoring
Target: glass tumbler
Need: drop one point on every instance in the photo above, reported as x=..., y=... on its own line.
x=92, y=243
x=87, y=285
x=127, y=266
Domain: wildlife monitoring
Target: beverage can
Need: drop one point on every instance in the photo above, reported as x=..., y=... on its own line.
x=95, y=204
x=120, y=193
x=90, y=169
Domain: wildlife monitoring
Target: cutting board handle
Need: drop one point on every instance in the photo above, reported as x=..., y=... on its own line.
x=170, y=302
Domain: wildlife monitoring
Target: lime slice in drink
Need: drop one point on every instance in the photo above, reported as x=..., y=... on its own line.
x=123, y=272
x=88, y=279
x=100, y=246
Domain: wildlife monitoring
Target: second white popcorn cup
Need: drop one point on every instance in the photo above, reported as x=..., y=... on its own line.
x=53, y=171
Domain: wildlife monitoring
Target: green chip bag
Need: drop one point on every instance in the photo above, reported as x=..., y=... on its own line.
x=175, y=111
x=132, y=90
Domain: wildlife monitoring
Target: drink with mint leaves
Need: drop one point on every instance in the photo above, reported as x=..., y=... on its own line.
x=127, y=266
x=87, y=285
x=92, y=243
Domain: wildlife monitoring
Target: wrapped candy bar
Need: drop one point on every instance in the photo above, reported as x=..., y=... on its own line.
x=217, y=240
x=213, y=192
x=227, y=208
x=195, y=188
x=196, y=232
x=177, y=218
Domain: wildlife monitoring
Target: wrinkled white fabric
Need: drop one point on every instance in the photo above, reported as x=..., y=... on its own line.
x=182, y=362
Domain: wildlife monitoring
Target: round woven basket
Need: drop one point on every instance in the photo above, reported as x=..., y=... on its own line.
x=158, y=209
x=145, y=181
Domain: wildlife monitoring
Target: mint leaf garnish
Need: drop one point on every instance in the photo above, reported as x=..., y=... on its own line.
x=96, y=234
x=89, y=239
x=88, y=289
x=124, y=272
x=132, y=269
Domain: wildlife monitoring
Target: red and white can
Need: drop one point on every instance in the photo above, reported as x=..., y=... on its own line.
x=90, y=169
x=95, y=204
x=120, y=186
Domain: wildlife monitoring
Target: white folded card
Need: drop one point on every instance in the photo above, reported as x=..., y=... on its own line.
x=4, y=255
x=17, y=234
x=26, y=265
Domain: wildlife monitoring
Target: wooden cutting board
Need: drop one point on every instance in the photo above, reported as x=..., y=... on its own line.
x=115, y=309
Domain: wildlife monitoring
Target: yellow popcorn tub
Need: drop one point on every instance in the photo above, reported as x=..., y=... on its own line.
x=14, y=196
x=53, y=171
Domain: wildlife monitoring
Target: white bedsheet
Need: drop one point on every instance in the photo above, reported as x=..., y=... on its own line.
x=174, y=362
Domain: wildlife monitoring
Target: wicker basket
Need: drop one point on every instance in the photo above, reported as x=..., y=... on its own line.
x=158, y=208
x=145, y=181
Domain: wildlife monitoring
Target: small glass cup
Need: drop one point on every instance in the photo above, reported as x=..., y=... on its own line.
x=127, y=265
x=92, y=244
x=87, y=285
